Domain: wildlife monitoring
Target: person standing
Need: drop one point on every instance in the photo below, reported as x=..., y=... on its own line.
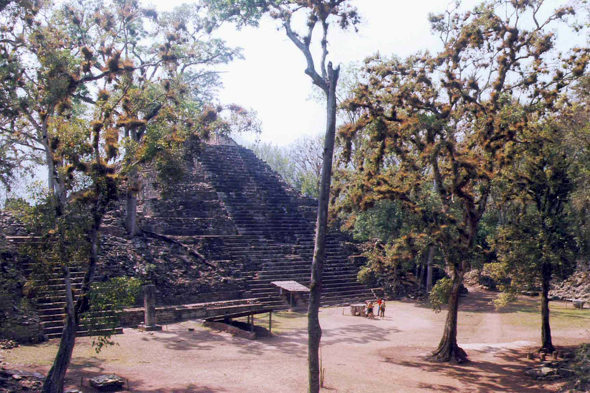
x=370, y=314
x=382, y=309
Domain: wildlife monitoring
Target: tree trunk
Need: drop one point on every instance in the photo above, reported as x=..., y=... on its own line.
x=429, y=269
x=546, y=342
x=448, y=350
x=313, y=323
x=423, y=269
x=55, y=378
x=50, y=171
x=131, y=214
x=54, y=184
x=131, y=203
x=419, y=275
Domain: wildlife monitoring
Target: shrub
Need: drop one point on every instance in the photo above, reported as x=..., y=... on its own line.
x=581, y=367
x=439, y=295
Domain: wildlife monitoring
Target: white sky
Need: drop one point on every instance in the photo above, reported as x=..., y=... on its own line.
x=271, y=79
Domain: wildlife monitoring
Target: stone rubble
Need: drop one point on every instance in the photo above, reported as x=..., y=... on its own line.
x=576, y=287
x=107, y=383
x=551, y=370
x=20, y=381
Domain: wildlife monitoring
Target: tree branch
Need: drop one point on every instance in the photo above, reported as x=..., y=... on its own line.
x=304, y=48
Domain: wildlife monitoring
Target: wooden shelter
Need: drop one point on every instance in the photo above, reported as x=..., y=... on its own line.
x=292, y=288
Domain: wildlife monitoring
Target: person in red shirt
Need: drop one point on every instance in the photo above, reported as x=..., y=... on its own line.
x=379, y=302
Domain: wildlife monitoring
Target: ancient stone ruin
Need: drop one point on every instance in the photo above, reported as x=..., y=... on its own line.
x=249, y=227
x=213, y=242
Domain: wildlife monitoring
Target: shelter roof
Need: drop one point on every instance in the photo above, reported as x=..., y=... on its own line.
x=291, y=286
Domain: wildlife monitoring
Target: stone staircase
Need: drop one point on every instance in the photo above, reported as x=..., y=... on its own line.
x=244, y=218
x=51, y=302
x=275, y=228
x=257, y=199
x=50, y=294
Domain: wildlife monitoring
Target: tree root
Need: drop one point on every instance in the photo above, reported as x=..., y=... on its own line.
x=547, y=349
x=197, y=255
x=448, y=354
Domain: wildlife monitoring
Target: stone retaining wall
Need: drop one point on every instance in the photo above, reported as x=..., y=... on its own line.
x=132, y=317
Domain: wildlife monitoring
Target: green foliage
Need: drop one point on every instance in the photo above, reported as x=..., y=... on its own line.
x=9, y=162
x=106, y=300
x=576, y=142
x=14, y=304
x=434, y=138
x=307, y=183
x=440, y=293
x=504, y=299
x=277, y=158
x=537, y=239
x=78, y=78
x=365, y=275
x=249, y=12
x=384, y=221
x=581, y=366
x=299, y=163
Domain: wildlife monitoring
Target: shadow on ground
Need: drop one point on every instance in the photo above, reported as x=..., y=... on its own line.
x=480, y=374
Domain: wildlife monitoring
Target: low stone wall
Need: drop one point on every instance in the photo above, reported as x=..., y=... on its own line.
x=132, y=317
x=200, y=298
x=164, y=315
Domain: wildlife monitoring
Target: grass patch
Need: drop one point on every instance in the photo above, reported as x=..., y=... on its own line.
x=562, y=315
x=32, y=355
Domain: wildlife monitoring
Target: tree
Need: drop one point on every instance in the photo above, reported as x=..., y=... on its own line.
x=325, y=76
x=77, y=77
x=387, y=228
x=576, y=140
x=172, y=93
x=537, y=241
x=450, y=120
x=349, y=79
x=306, y=155
x=156, y=70
x=299, y=164
x=9, y=162
x=278, y=159
x=39, y=92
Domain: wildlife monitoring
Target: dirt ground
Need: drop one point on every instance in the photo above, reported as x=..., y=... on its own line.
x=358, y=355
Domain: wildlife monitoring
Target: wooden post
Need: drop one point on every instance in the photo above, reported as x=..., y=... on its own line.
x=149, y=301
x=530, y=356
x=252, y=325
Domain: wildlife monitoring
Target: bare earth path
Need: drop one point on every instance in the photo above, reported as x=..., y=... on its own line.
x=359, y=355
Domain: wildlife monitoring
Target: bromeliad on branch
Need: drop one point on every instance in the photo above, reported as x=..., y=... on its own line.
x=450, y=122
